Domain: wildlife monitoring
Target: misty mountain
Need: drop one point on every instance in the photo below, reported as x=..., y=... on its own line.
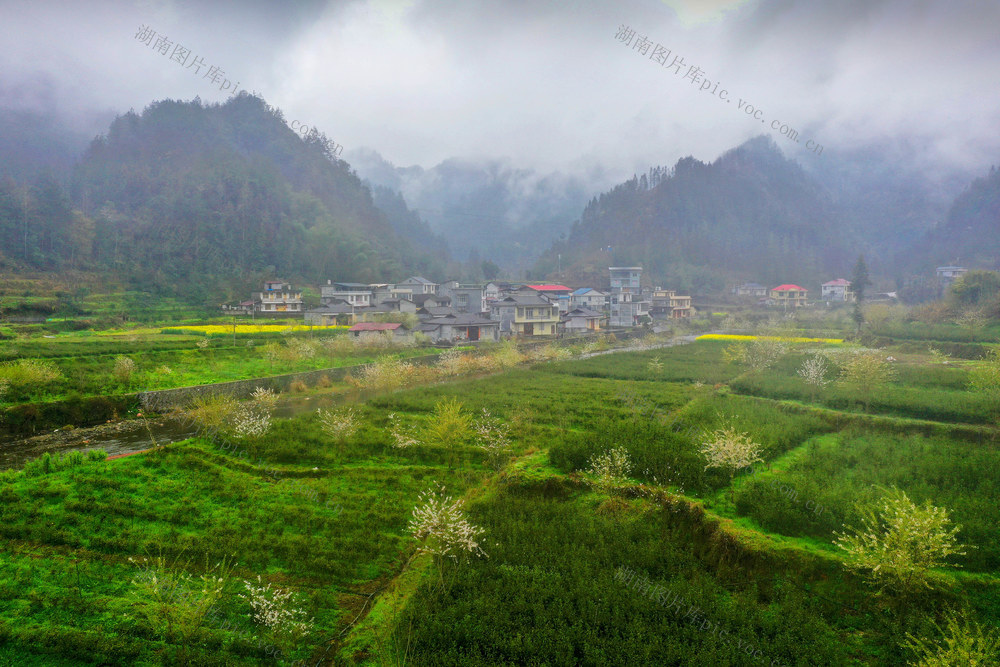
x=407, y=223
x=970, y=235
x=751, y=214
x=198, y=199
x=32, y=142
x=887, y=194
x=484, y=209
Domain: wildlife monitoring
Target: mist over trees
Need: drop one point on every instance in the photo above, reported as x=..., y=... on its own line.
x=199, y=199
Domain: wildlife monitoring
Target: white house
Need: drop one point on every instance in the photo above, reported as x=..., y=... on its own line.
x=836, y=290
x=418, y=285
x=587, y=297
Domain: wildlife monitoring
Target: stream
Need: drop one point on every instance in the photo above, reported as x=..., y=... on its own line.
x=134, y=435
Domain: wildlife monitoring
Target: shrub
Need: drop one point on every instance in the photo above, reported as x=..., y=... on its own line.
x=123, y=369
x=899, y=543
x=222, y=414
x=730, y=449
x=386, y=374
x=339, y=424
x=402, y=436
x=962, y=644
x=29, y=373
x=493, y=437
x=439, y=524
x=610, y=469
x=274, y=608
x=865, y=374
x=449, y=426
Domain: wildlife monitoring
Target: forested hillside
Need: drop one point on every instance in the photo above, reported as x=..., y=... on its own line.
x=197, y=199
x=752, y=214
x=970, y=235
x=485, y=208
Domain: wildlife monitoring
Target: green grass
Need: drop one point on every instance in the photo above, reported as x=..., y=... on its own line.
x=91, y=374
x=848, y=470
x=548, y=594
x=328, y=520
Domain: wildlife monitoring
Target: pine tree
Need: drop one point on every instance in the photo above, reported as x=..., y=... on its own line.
x=859, y=282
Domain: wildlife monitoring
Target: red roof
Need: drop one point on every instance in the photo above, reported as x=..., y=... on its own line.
x=785, y=288
x=550, y=288
x=375, y=326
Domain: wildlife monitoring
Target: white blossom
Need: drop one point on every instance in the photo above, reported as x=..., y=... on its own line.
x=610, y=469
x=439, y=523
x=273, y=608
x=339, y=424
x=401, y=435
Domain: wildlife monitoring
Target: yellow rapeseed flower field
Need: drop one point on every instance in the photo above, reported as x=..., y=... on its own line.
x=785, y=339
x=219, y=329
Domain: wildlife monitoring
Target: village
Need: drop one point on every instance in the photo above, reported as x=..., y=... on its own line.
x=451, y=311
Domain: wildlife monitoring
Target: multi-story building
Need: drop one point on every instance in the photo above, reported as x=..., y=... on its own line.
x=465, y=298
x=789, y=295
x=666, y=303
x=526, y=315
x=279, y=297
x=680, y=306
x=626, y=307
x=387, y=291
x=590, y=298
x=558, y=294
x=418, y=285
x=626, y=278
x=837, y=290
x=356, y=294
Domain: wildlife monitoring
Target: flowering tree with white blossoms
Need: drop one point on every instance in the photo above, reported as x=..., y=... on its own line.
x=731, y=449
x=402, y=436
x=899, y=542
x=439, y=524
x=813, y=371
x=492, y=436
x=274, y=608
x=610, y=469
x=339, y=424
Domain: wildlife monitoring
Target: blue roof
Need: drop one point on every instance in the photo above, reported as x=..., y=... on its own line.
x=583, y=290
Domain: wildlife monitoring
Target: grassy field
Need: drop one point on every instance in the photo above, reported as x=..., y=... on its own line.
x=75, y=366
x=678, y=564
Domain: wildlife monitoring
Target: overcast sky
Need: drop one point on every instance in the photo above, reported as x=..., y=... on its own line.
x=545, y=84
